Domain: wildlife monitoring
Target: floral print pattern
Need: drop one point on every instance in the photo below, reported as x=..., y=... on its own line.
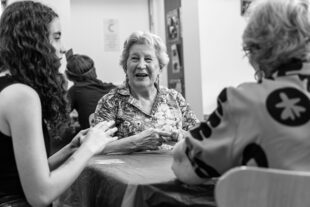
x=170, y=112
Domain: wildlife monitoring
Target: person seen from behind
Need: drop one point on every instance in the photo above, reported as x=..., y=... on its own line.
x=87, y=89
x=264, y=123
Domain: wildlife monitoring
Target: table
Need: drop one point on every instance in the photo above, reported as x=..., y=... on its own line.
x=135, y=180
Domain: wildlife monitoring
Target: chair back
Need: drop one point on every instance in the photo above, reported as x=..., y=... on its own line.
x=262, y=187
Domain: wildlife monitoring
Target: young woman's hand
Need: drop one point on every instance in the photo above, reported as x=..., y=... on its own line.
x=76, y=141
x=97, y=137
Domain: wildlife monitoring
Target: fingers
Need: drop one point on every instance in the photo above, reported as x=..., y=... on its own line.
x=175, y=136
x=159, y=143
x=153, y=148
x=111, y=131
x=112, y=139
x=163, y=133
x=104, y=125
x=165, y=139
x=163, y=136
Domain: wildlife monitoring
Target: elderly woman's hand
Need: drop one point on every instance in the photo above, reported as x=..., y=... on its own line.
x=150, y=139
x=175, y=135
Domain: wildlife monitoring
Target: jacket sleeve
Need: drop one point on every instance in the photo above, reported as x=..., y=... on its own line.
x=207, y=149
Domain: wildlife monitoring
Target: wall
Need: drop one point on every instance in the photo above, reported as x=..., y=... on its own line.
x=192, y=57
x=213, y=55
x=157, y=27
x=87, y=31
x=222, y=59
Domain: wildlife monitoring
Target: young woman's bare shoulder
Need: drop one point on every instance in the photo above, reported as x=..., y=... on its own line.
x=19, y=94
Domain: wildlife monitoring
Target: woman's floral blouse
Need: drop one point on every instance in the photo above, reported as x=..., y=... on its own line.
x=170, y=112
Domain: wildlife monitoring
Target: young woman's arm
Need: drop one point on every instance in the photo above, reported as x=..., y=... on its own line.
x=59, y=157
x=62, y=155
x=23, y=115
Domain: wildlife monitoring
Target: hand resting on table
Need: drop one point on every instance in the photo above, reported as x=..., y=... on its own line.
x=150, y=139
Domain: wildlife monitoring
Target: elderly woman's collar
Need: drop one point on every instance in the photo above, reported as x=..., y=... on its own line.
x=294, y=66
x=124, y=89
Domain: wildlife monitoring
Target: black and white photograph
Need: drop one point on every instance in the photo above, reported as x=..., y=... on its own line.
x=154, y=103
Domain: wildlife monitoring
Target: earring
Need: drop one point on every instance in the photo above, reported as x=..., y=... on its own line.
x=259, y=75
x=157, y=82
x=127, y=80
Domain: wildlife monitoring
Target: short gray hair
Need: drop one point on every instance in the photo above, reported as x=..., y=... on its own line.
x=146, y=38
x=277, y=31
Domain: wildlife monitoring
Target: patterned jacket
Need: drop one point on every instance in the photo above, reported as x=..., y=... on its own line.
x=263, y=124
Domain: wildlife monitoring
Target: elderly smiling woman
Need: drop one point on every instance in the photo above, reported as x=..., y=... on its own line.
x=145, y=113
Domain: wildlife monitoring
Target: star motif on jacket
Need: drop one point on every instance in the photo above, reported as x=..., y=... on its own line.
x=291, y=109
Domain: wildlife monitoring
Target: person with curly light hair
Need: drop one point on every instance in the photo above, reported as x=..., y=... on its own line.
x=264, y=123
x=145, y=113
x=32, y=99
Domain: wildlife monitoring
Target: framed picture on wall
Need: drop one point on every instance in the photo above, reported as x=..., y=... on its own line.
x=111, y=35
x=173, y=25
x=175, y=59
x=244, y=6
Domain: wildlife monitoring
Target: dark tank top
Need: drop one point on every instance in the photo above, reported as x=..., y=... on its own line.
x=10, y=185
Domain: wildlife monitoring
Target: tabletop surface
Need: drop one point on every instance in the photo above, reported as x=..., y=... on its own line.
x=138, y=168
x=140, y=179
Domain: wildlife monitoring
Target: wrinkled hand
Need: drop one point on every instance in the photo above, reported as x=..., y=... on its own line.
x=175, y=135
x=150, y=139
x=99, y=136
x=181, y=135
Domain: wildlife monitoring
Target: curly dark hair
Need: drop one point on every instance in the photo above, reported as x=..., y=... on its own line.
x=26, y=51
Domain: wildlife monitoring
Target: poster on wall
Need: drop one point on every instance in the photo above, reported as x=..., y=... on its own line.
x=173, y=25
x=244, y=6
x=174, y=43
x=111, y=35
x=175, y=59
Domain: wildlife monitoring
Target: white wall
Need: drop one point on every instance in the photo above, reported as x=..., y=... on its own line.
x=192, y=55
x=87, y=31
x=158, y=21
x=222, y=59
